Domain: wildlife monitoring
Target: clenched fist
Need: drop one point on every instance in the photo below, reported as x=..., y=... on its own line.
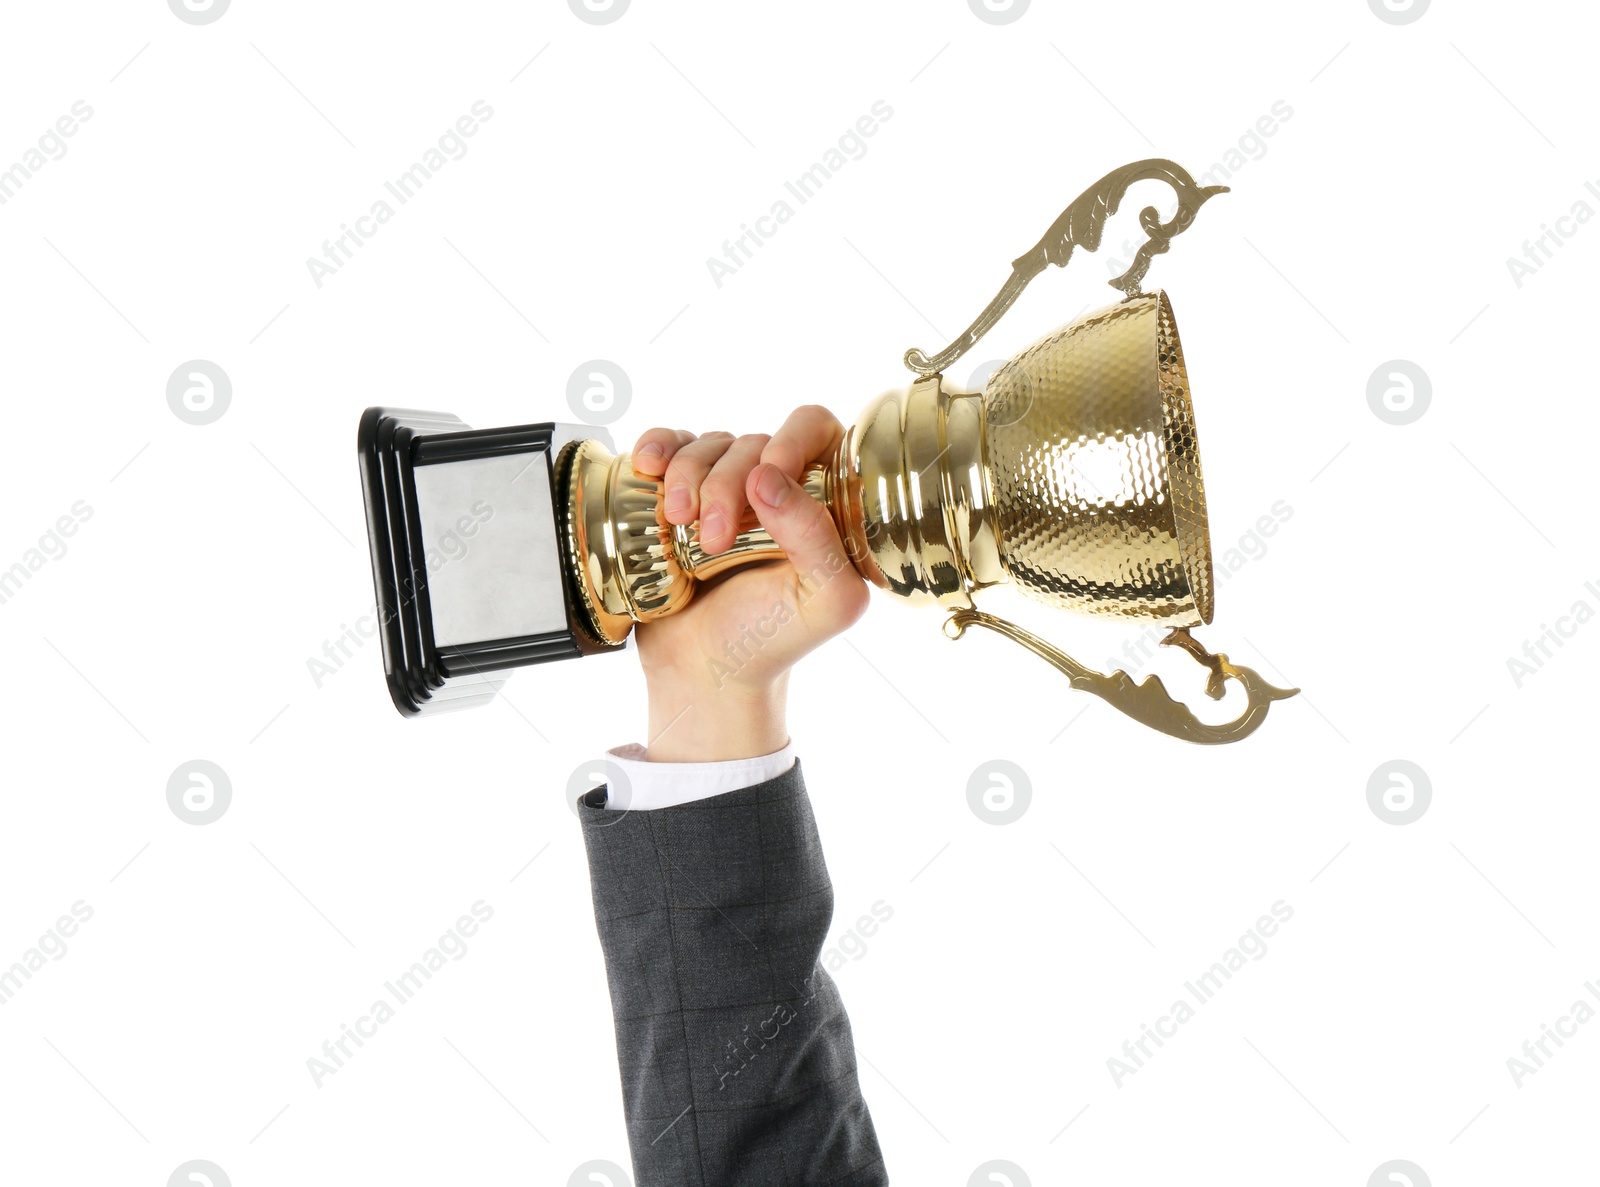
x=718, y=670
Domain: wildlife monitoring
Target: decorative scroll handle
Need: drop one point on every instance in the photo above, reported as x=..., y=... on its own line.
x=1081, y=225
x=1147, y=702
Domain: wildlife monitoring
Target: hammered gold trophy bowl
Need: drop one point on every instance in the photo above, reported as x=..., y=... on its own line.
x=1074, y=475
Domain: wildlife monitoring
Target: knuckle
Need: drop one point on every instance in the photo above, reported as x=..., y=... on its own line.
x=814, y=528
x=684, y=470
x=698, y=459
x=716, y=521
x=658, y=435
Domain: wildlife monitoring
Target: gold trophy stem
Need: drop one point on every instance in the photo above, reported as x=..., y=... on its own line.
x=751, y=544
x=624, y=563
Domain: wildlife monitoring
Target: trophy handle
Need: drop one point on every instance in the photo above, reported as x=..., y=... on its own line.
x=1081, y=225
x=1147, y=702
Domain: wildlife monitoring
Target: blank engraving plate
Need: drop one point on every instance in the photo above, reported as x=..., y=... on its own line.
x=489, y=534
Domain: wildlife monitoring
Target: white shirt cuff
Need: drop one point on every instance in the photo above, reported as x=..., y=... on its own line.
x=644, y=786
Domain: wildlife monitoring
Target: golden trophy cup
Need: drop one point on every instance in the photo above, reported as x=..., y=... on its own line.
x=1074, y=475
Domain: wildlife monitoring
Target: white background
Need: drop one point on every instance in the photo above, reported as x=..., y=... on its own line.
x=218, y=559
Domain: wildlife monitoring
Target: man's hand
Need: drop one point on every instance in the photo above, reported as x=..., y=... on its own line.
x=718, y=670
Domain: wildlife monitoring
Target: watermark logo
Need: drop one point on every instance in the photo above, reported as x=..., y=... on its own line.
x=198, y=1172
x=1011, y=401
x=753, y=637
x=199, y=12
x=199, y=392
x=51, y=547
x=1399, y=392
x=51, y=146
x=1252, y=546
x=982, y=373
x=1398, y=1172
x=599, y=1173
x=455, y=542
x=598, y=12
x=740, y=651
x=999, y=792
x=199, y=791
x=740, y=249
x=599, y=392
x=1251, y=146
x=587, y=776
x=450, y=947
x=1138, y=651
x=52, y=944
x=852, y=942
x=740, y=1052
x=1398, y=12
x=1251, y=946
x=1540, y=650
x=1399, y=792
x=997, y=1172
x=998, y=12
x=451, y=145
x=1536, y=1051
x=350, y=639
x=1539, y=251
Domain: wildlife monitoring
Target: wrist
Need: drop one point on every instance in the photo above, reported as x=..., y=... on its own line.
x=697, y=722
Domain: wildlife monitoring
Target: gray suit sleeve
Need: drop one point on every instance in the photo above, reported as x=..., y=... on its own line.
x=737, y=1063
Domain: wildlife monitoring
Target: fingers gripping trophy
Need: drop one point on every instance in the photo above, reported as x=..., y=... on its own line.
x=494, y=549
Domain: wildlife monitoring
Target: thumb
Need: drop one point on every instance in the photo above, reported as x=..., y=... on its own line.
x=805, y=531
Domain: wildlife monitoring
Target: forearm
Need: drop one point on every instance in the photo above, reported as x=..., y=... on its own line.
x=738, y=1065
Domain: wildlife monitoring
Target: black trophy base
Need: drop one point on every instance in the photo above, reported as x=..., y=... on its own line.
x=469, y=554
